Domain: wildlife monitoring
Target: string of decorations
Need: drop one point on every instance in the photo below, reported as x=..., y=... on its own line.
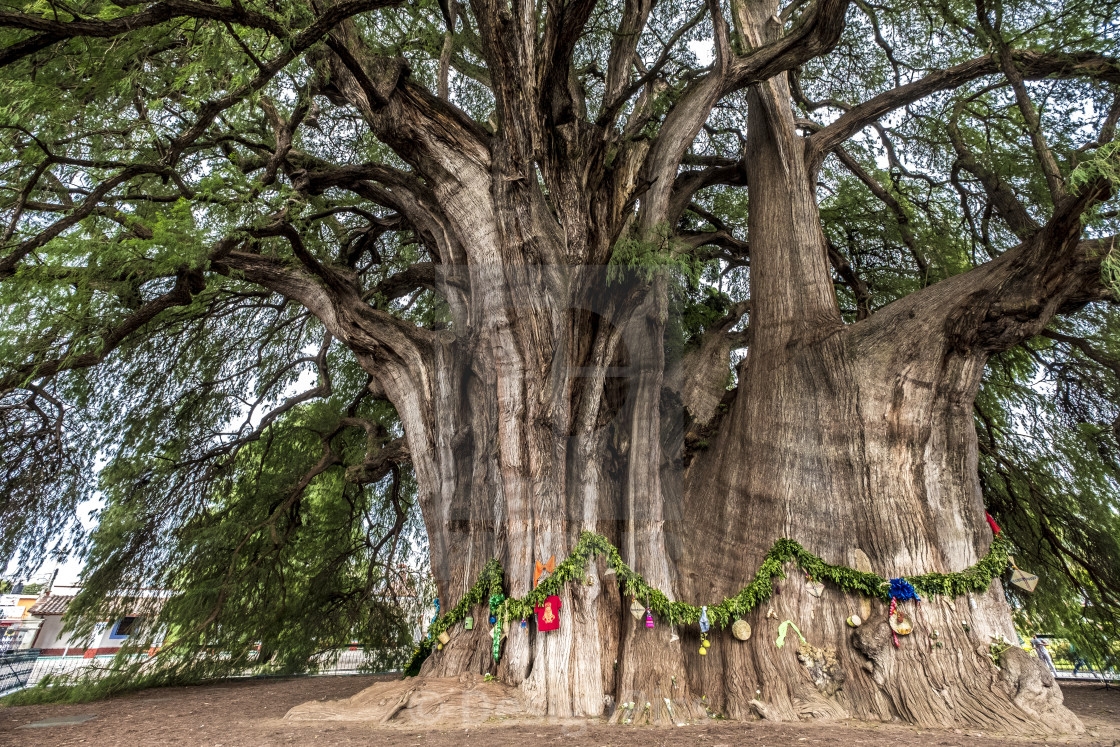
x=490, y=582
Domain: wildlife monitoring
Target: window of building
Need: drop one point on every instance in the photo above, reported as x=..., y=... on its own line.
x=124, y=627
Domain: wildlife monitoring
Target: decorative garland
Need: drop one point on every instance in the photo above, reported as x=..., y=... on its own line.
x=489, y=585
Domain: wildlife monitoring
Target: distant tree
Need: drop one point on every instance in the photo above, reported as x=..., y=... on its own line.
x=696, y=276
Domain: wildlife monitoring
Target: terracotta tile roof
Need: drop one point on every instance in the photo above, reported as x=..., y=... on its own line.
x=52, y=604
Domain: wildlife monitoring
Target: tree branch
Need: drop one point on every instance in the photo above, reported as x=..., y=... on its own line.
x=1033, y=65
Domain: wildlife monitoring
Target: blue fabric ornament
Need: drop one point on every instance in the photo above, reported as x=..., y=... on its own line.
x=902, y=590
x=704, y=624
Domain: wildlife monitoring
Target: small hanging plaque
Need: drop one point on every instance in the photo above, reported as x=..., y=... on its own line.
x=468, y=623
x=444, y=637
x=637, y=609
x=816, y=588
x=1024, y=580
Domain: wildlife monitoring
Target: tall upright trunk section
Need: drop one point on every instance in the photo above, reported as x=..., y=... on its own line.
x=859, y=443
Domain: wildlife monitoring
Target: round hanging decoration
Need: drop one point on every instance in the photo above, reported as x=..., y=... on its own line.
x=901, y=624
x=854, y=621
x=741, y=629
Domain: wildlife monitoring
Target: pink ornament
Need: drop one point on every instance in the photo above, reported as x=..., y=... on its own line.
x=649, y=619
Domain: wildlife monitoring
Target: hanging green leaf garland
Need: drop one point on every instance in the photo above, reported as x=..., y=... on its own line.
x=977, y=578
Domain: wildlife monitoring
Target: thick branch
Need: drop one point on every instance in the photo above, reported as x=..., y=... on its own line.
x=187, y=284
x=1032, y=64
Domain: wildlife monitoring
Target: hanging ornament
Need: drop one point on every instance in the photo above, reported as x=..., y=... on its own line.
x=783, y=629
x=816, y=588
x=637, y=609
x=902, y=590
x=770, y=614
x=854, y=621
x=493, y=619
x=1022, y=579
x=741, y=629
x=901, y=624
x=496, y=648
x=704, y=624
x=436, y=615
x=524, y=625
x=540, y=568
x=444, y=637
x=705, y=644
x=468, y=623
x=649, y=619
x=548, y=614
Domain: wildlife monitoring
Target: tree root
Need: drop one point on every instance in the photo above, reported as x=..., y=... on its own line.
x=1018, y=697
x=420, y=701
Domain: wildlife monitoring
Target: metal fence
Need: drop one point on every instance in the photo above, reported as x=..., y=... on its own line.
x=16, y=668
x=347, y=662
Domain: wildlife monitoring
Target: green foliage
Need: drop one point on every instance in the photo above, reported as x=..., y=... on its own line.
x=1103, y=166
x=1046, y=420
x=648, y=257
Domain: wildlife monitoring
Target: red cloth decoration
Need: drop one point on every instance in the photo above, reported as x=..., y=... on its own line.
x=992, y=523
x=548, y=614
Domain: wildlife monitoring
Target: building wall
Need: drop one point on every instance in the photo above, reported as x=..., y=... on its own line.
x=53, y=642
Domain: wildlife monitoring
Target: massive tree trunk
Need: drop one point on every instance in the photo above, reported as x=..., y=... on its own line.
x=548, y=406
x=555, y=416
x=857, y=441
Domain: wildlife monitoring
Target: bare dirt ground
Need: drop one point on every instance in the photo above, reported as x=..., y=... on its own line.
x=249, y=712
